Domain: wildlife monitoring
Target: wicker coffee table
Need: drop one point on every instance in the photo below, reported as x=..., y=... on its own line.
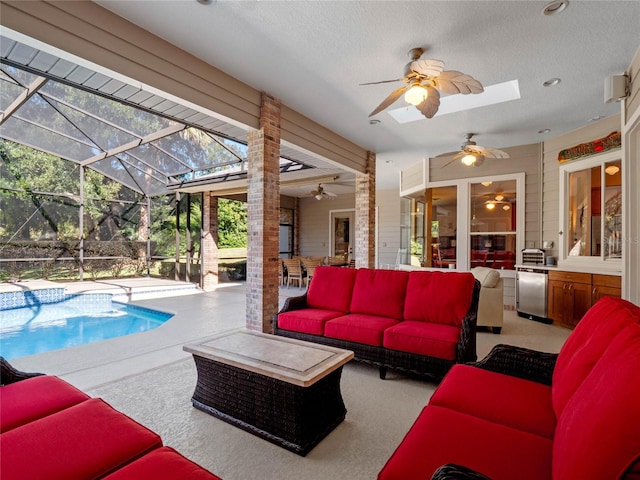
x=283, y=390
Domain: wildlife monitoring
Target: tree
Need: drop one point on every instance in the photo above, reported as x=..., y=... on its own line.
x=232, y=224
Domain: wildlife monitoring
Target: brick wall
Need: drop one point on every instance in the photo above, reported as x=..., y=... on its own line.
x=263, y=208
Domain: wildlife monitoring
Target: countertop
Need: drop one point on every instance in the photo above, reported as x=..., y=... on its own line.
x=570, y=268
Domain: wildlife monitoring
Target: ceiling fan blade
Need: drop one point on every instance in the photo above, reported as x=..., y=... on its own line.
x=395, y=95
x=383, y=81
x=452, y=82
x=430, y=105
x=495, y=153
x=329, y=194
x=429, y=67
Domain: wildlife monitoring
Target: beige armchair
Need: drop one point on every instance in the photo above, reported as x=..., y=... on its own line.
x=491, y=304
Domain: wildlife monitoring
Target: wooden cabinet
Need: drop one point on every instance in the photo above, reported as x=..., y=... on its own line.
x=569, y=297
x=571, y=294
x=605, y=286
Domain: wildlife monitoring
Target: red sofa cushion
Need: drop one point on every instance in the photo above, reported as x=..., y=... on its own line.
x=306, y=320
x=438, y=297
x=586, y=344
x=422, y=338
x=598, y=433
x=331, y=288
x=87, y=440
x=498, y=398
x=440, y=435
x=28, y=400
x=379, y=292
x=367, y=329
x=162, y=464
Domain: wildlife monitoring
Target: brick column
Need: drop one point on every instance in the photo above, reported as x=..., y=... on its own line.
x=365, y=214
x=263, y=209
x=209, y=242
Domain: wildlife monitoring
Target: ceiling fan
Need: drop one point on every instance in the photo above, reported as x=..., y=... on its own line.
x=425, y=79
x=321, y=193
x=472, y=155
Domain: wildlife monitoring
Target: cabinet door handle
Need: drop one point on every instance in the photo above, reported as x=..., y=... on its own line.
x=595, y=291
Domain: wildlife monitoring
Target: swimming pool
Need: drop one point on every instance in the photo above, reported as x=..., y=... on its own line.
x=42, y=323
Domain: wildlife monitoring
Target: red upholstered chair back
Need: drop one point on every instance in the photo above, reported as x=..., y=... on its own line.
x=379, y=292
x=598, y=433
x=586, y=345
x=331, y=288
x=439, y=297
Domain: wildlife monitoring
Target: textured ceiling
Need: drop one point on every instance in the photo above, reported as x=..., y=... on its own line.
x=314, y=54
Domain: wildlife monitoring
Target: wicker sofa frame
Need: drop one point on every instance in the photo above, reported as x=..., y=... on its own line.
x=418, y=365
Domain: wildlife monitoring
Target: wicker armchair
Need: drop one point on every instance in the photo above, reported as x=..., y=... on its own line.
x=294, y=270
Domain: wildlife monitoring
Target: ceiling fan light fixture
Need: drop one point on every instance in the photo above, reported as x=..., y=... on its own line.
x=612, y=169
x=506, y=207
x=469, y=159
x=490, y=205
x=318, y=196
x=486, y=184
x=499, y=198
x=415, y=95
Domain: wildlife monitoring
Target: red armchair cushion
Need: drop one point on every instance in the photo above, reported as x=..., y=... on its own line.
x=438, y=297
x=367, y=329
x=306, y=320
x=331, y=288
x=28, y=400
x=598, y=433
x=586, y=344
x=498, y=398
x=87, y=440
x=162, y=464
x=379, y=292
x=441, y=435
x=431, y=339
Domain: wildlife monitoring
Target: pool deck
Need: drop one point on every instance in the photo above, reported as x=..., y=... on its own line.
x=197, y=315
x=123, y=290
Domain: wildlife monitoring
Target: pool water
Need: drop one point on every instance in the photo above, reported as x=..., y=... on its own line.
x=39, y=327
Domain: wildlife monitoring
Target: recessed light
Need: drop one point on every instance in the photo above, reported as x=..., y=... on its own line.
x=555, y=7
x=206, y=2
x=551, y=82
x=374, y=121
x=544, y=130
x=596, y=118
x=388, y=161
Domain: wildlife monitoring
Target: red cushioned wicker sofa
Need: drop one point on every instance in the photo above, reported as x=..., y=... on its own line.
x=51, y=430
x=420, y=322
x=527, y=415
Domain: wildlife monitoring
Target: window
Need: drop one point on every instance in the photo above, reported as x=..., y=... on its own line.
x=286, y=232
x=442, y=216
x=591, y=210
x=493, y=225
x=463, y=224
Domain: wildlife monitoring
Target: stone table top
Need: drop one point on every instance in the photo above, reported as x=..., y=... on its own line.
x=293, y=361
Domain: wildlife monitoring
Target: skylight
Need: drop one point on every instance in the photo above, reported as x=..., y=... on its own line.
x=493, y=94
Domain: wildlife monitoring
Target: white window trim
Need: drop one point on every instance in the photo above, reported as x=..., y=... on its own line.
x=588, y=263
